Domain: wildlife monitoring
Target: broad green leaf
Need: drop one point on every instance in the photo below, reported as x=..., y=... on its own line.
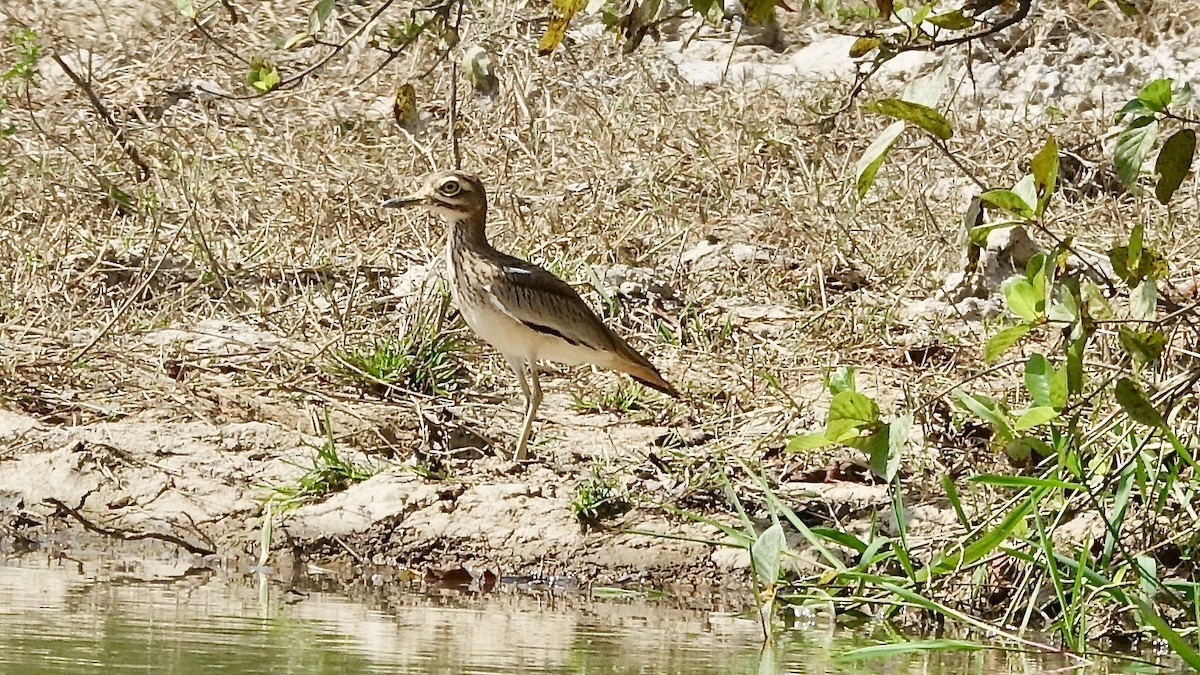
x=186, y=8
x=873, y=157
x=766, y=552
x=810, y=441
x=1059, y=391
x=875, y=446
x=1035, y=416
x=262, y=75
x=1173, y=163
x=1097, y=305
x=1143, y=300
x=759, y=11
x=1135, y=404
x=1135, y=108
x=1045, y=173
x=1038, y=374
x=853, y=407
x=1022, y=298
x=841, y=379
x=1156, y=95
x=319, y=15
x=1143, y=346
x=1132, y=146
x=1074, y=365
x=1023, y=448
x=954, y=20
x=1026, y=189
x=921, y=115
x=1009, y=201
x=987, y=410
x=1001, y=342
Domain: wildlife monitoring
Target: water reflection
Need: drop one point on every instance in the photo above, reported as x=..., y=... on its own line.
x=162, y=616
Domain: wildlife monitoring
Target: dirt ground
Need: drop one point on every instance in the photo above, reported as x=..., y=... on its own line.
x=169, y=341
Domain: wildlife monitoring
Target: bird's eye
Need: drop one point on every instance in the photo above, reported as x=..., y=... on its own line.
x=450, y=188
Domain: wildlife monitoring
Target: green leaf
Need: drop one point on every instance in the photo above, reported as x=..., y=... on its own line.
x=1001, y=342
x=811, y=441
x=1074, y=365
x=921, y=115
x=1059, y=392
x=186, y=9
x=1156, y=95
x=1143, y=300
x=262, y=75
x=1026, y=190
x=1022, y=298
x=766, y=552
x=868, y=165
x=1135, y=404
x=875, y=446
x=841, y=379
x=954, y=20
x=1034, y=417
x=1182, y=648
x=851, y=407
x=1173, y=163
x=760, y=11
x=1045, y=173
x=1038, y=374
x=1009, y=201
x=1134, y=108
x=987, y=410
x=1023, y=448
x=1132, y=146
x=319, y=15
x=1143, y=346
x=1097, y=305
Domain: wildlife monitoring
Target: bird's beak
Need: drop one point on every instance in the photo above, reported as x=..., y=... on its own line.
x=417, y=199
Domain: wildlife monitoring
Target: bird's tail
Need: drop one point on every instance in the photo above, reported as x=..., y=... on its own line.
x=638, y=367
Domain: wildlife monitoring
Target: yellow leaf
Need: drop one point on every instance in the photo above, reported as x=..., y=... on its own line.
x=404, y=107
x=555, y=32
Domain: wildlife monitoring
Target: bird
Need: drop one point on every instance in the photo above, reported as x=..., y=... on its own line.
x=524, y=311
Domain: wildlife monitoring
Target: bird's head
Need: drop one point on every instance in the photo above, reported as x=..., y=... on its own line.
x=452, y=194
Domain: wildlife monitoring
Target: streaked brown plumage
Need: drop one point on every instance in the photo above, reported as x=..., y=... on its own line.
x=522, y=310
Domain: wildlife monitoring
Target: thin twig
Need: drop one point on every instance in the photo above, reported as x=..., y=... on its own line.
x=126, y=535
x=118, y=133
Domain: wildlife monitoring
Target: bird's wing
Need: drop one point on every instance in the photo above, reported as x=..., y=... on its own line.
x=547, y=304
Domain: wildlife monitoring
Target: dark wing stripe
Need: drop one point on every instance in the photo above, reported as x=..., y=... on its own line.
x=547, y=330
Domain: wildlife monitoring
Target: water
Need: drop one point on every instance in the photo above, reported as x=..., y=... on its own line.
x=113, y=616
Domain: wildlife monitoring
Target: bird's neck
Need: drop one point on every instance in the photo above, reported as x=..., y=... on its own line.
x=467, y=232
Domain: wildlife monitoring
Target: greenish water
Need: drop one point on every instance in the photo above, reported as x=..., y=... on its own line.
x=160, y=616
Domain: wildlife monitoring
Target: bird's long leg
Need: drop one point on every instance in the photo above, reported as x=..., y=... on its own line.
x=533, y=400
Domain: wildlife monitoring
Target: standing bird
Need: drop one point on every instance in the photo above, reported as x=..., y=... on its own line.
x=522, y=310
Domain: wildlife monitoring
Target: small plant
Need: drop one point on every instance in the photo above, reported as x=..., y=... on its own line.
x=424, y=358
x=329, y=473
x=598, y=497
x=624, y=398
